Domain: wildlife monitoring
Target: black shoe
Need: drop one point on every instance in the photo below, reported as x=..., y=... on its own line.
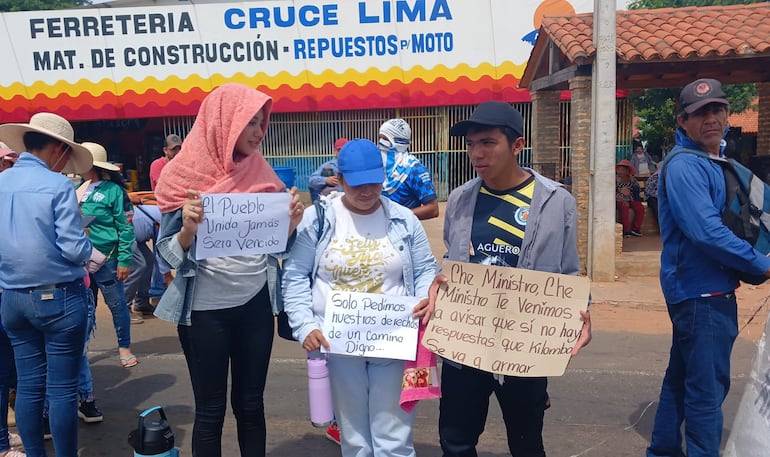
x=626, y=234
x=47, y=429
x=89, y=413
x=144, y=311
x=636, y=233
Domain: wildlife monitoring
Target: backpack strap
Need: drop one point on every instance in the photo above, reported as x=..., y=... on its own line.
x=139, y=207
x=155, y=224
x=664, y=164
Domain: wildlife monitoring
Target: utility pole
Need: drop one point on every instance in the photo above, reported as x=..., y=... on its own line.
x=601, y=223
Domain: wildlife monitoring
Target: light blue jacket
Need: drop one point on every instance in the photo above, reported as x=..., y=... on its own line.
x=700, y=255
x=550, y=239
x=175, y=305
x=42, y=233
x=405, y=233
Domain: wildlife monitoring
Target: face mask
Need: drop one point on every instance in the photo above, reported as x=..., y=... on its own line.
x=384, y=145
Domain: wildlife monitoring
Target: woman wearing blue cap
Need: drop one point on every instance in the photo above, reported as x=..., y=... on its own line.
x=365, y=243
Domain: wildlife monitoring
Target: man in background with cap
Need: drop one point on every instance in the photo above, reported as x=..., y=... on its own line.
x=508, y=216
x=42, y=265
x=407, y=181
x=324, y=180
x=700, y=263
x=172, y=147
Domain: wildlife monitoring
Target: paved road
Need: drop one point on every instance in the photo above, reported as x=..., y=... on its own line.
x=603, y=406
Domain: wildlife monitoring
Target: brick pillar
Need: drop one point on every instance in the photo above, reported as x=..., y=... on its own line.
x=580, y=147
x=763, y=129
x=545, y=132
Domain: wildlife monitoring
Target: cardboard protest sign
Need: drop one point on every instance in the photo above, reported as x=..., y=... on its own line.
x=243, y=224
x=371, y=325
x=508, y=321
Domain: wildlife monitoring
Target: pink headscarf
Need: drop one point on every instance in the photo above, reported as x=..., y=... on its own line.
x=206, y=163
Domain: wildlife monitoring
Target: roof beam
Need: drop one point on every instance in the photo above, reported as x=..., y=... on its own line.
x=560, y=77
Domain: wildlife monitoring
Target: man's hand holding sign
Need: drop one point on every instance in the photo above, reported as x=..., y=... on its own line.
x=508, y=321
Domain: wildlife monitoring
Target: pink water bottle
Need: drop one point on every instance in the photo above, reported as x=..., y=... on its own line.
x=319, y=391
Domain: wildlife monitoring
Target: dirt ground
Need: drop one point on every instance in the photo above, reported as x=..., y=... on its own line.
x=636, y=304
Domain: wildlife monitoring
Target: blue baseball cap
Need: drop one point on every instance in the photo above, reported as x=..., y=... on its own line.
x=360, y=163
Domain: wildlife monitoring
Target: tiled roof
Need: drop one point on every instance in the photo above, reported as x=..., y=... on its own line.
x=748, y=121
x=669, y=33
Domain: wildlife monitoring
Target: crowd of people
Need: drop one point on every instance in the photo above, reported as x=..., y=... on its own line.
x=363, y=234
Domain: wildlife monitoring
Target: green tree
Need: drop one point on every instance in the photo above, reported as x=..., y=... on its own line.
x=656, y=108
x=7, y=6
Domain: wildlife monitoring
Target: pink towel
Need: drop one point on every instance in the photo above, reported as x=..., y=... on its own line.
x=421, y=380
x=206, y=161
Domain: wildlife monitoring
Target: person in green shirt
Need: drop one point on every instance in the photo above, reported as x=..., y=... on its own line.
x=112, y=234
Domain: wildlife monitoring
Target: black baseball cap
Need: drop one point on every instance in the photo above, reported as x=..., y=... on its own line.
x=492, y=114
x=700, y=93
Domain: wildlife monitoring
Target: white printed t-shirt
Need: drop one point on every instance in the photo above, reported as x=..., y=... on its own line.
x=359, y=258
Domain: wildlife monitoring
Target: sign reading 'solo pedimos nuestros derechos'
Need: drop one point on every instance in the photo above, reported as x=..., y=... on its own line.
x=508, y=321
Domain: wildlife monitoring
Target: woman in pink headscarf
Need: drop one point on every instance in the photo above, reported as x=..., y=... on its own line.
x=222, y=306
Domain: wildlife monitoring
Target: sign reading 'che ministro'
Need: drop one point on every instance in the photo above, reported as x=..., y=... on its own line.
x=508, y=321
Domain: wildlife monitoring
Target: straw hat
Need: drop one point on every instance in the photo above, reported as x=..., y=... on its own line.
x=7, y=154
x=56, y=127
x=100, y=156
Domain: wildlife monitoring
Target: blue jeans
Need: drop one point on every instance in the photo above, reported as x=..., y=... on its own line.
x=158, y=283
x=86, y=382
x=112, y=290
x=6, y=363
x=47, y=329
x=137, y=285
x=697, y=379
x=365, y=394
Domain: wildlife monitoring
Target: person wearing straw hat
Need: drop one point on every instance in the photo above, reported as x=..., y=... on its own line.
x=42, y=258
x=112, y=234
x=628, y=196
x=7, y=157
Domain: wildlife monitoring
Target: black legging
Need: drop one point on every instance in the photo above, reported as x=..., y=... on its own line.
x=240, y=339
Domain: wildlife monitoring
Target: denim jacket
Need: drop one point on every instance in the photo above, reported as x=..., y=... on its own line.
x=405, y=233
x=176, y=303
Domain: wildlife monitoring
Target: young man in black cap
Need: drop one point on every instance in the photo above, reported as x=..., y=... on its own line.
x=700, y=264
x=513, y=217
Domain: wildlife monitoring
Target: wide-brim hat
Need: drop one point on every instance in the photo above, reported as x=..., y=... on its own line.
x=99, y=155
x=56, y=127
x=7, y=154
x=627, y=164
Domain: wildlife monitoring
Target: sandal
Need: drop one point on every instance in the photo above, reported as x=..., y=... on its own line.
x=130, y=361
